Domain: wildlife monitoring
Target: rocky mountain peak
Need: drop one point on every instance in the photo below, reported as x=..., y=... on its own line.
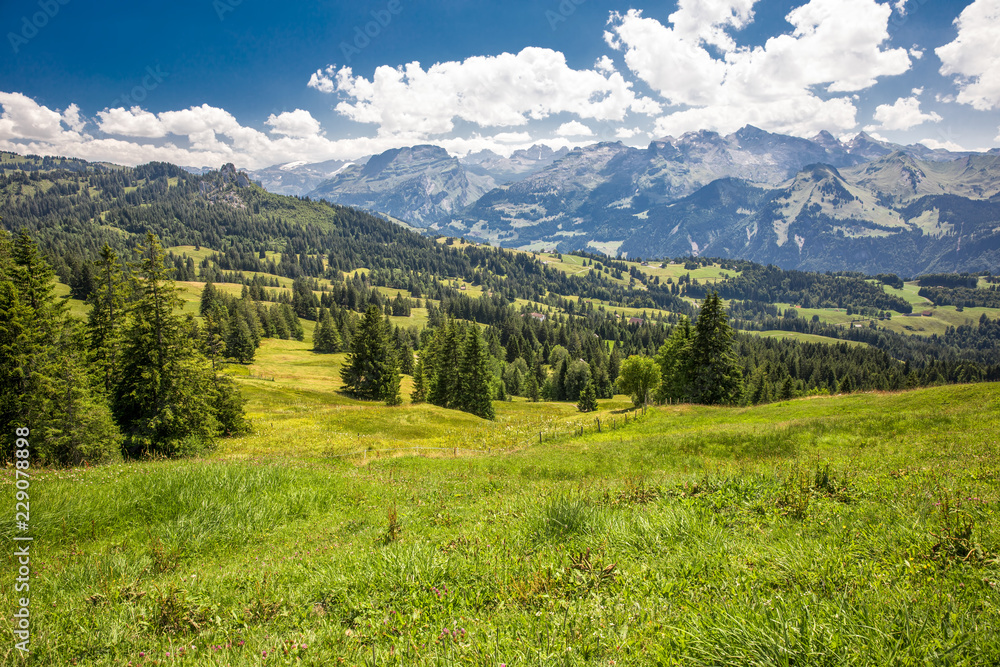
x=229, y=175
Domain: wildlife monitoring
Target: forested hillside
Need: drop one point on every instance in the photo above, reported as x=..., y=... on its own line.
x=551, y=327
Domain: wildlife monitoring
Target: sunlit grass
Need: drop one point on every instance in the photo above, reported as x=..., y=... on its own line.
x=798, y=532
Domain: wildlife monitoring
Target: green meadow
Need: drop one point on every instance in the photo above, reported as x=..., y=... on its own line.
x=845, y=530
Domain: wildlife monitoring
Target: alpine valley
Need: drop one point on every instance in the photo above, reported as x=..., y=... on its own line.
x=815, y=204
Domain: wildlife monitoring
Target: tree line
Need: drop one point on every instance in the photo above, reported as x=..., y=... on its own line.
x=133, y=379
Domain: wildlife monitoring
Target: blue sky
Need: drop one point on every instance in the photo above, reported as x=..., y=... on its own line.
x=257, y=83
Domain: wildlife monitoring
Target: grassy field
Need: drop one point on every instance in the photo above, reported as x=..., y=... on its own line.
x=808, y=338
x=845, y=530
x=855, y=529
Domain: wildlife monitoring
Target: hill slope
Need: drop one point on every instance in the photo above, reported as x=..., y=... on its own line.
x=806, y=531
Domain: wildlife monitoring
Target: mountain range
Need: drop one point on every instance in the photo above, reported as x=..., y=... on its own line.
x=817, y=204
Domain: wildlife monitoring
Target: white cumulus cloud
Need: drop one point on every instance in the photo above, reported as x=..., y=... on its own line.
x=574, y=128
x=973, y=58
x=506, y=90
x=627, y=132
x=71, y=117
x=708, y=21
x=24, y=118
x=792, y=84
x=298, y=123
x=935, y=144
x=206, y=136
x=132, y=122
x=902, y=114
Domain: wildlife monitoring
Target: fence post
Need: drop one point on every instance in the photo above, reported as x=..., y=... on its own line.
x=598, y=424
x=539, y=437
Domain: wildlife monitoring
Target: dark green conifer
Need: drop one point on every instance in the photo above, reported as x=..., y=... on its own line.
x=588, y=398
x=326, y=338
x=475, y=394
x=716, y=377
x=371, y=370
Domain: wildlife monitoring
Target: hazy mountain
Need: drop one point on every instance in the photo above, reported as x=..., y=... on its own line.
x=420, y=185
x=820, y=221
x=519, y=165
x=296, y=178
x=902, y=178
x=581, y=191
x=819, y=204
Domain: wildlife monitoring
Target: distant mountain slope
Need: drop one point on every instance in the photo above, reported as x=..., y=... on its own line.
x=420, y=185
x=519, y=165
x=296, y=178
x=584, y=191
x=819, y=221
x=903, y=178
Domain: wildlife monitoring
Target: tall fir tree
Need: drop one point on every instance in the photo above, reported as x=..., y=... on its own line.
x=443, y=385
x=214, y=334
x=716, y=376
x=674, y=359
x=532, y=390
x=240, y=342
x=165, y=401
x=371, y=370
x=474, y=392
x=107, y=316
x=588, y=398
x=405, y=359
x=326, y=338
x=419, y=393
x=44, y=383
x=209, y=297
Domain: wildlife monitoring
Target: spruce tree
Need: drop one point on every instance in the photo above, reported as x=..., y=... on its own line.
x=674, y=359
x=326, y=338
x=405, y=359
x=165, y=400
x=443, y=385
x=475, y=394
x=240, y=343
x=107, y=316
x=371, y=370
x=532, y=391
x=716, y=377
x=44, y=383
x=209, y=297
x=588, y=398
x=214, y=334
x=419, y=393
